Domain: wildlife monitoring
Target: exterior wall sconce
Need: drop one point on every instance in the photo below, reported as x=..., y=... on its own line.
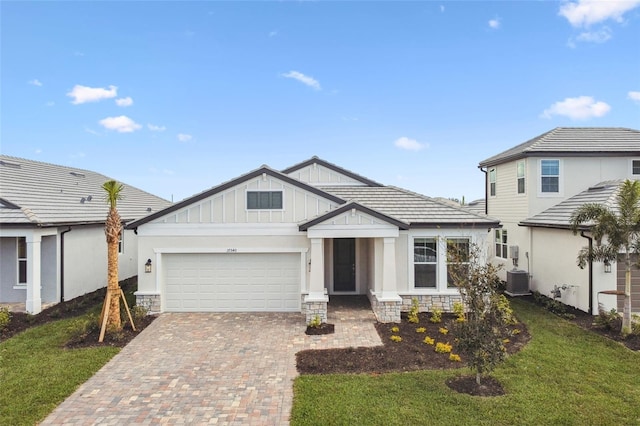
x=147, y=266
x=607, y=267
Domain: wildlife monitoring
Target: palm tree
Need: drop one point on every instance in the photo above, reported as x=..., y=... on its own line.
x=112, y=229
x=622, y=231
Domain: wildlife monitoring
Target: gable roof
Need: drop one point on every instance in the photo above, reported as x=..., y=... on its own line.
x=419, y=211
x=224, y=186
x=333, y=167
x=559, y=216
x=346, y=208
x=574, y=141
x=33, y=193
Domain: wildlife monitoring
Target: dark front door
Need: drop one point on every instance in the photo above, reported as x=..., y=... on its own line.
x=344, y=264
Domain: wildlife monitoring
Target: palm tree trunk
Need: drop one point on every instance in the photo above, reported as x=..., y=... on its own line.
x=626, y=315
x=113, y=228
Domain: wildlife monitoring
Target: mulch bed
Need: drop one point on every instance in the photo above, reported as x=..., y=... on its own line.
x=467, y=384
x=323, y=328
x=408, y=355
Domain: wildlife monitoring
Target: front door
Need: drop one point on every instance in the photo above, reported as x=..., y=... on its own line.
x=344, y=265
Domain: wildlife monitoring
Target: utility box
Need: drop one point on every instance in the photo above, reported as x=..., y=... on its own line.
x=517, y=283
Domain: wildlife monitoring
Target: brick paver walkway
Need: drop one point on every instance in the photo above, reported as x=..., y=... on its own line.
x=208, y=368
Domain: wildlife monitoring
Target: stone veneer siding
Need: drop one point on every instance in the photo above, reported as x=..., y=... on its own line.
x=428, y=303
x=151, y=302
x=311, y=309
x=385, y=311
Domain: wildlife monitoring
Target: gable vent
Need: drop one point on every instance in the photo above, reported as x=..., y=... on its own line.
x=8, y=164
x=76, y=174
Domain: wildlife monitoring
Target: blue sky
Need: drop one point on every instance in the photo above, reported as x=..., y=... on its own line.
x=177, y=97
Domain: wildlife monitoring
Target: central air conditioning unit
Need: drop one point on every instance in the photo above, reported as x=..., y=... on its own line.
x=517, y=283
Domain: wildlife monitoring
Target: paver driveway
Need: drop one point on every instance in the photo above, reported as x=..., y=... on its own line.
x=208, y=368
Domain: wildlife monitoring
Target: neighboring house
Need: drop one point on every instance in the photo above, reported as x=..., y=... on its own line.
x=289, y=240
x=52, y=240
x=525, y=189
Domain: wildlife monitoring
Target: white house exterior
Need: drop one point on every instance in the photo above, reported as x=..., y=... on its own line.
x=288, y=240
x=52, y=241
x=535, y=178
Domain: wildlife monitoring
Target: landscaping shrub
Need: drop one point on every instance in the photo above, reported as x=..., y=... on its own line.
x=608, y=320
x=79, y=328
x=5, y=318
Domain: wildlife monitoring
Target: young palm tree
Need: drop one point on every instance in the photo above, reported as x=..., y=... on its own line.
x=622, y=229
x=112, y=229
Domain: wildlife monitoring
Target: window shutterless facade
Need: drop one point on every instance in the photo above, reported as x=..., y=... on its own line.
x=501, y=243
x=22, y=260
x=635, y=167
x=520, y=176
x=425, y=262
x=492, y=182
x=264, y=200
x=457, y=256
x=549, y=176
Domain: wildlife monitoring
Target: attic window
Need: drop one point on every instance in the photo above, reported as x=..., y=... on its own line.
x=76, y=174
x=264, y=200
x=8, y=164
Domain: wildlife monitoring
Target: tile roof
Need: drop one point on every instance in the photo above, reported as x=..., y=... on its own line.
x=574, y=141
x=409, y=207
x=43, y=194
x=559, y=216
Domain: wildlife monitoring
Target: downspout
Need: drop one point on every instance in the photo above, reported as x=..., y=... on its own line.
x=62, y=263
x=486, y=194
x=590, y=272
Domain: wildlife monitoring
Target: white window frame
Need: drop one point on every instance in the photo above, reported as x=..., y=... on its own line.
x=468, y=240
x=523, y=177
x=631, y=161
x=560, y=178
x=501, y=238
x=246, y=199
x=21, y=260
x=493, y=177
x=441, y=287
x=434, y=239
x=121, y=242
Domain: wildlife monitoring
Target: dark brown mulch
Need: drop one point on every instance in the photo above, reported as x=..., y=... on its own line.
x=408, y=355
x=467, y=384
x=323, y=328
x=119, y=339
x=587, y=322
x=21, y=321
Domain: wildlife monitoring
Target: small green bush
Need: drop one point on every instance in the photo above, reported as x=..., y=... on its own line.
x=412, y=317
x=436, y=316
x=635, y=324
x=5, y=318
x=79, y=328
x=315, y=322
x=138, y=313
x=608, y=320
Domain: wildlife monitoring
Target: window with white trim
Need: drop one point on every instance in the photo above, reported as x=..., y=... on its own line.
x=520, y=176
x=457, y=254
x=501, y=243
x=635, y=167
x=264, y=200
x=549, y=176
x=425, y=262
x=22, y=260
x=492, y=182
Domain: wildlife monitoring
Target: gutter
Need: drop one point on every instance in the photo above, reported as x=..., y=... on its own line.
x=62, y=263
x=486, y=194
x=590, y=272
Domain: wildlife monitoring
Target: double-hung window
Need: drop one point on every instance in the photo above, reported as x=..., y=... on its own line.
x=635, y=167
x=22, y=260
x=492, y=182
x=425, y=262
x=457, y=259
x=520, y=176
x=264, y=200
x=501, y=243
x=549, y=176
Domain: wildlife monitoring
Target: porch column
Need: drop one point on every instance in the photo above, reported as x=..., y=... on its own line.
x=316, y=279
x=389, y=289
x=34, y=297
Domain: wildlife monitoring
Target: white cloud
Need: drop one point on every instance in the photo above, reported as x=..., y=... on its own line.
x=409, y=144
x=634, y=96
x=599, y=36
x=580, y=108
x=38, y=151
x=35, y=82
x=441, y=8
x=304, y=79
x=582, y=13
x=494, y=23
x=183, y=137
x=121, y=124
x=83, y=94
x=124, y=102
x=155, y=128
x=93, y=132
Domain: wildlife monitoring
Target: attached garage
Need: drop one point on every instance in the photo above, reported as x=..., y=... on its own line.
x=232, y=282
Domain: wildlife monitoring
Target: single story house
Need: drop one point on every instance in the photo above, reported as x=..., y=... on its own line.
x=289, y=240
x=554, y=250
x=52, y=242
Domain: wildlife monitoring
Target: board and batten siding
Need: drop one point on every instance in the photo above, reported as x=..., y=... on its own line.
x=230, y=206
x=316, y=174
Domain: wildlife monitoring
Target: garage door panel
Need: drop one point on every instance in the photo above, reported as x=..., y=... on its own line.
x=218, y=282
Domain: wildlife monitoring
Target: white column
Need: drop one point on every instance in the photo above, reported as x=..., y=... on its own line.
x=34, y=297
x=389, y=288
x=316, y=279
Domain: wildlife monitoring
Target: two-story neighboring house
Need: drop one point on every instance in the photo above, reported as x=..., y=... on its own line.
x=534, y=187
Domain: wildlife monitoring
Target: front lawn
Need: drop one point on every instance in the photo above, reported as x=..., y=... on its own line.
x=565, y=375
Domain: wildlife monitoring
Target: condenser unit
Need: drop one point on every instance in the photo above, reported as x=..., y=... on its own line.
x=517, y=283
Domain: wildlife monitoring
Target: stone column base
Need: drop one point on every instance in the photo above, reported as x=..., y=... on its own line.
x=151, y=302
x=313, y=308
x=385, y=310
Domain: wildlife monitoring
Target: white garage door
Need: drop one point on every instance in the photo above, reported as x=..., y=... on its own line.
x=240, y=282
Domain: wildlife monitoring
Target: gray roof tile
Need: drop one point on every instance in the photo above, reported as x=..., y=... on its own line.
x=574, y=141
x=49, y=194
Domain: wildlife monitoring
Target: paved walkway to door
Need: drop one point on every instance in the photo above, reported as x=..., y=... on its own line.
x=209, y=368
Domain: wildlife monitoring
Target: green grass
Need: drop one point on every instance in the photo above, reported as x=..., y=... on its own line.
x=37, y=373
x=564, y=376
